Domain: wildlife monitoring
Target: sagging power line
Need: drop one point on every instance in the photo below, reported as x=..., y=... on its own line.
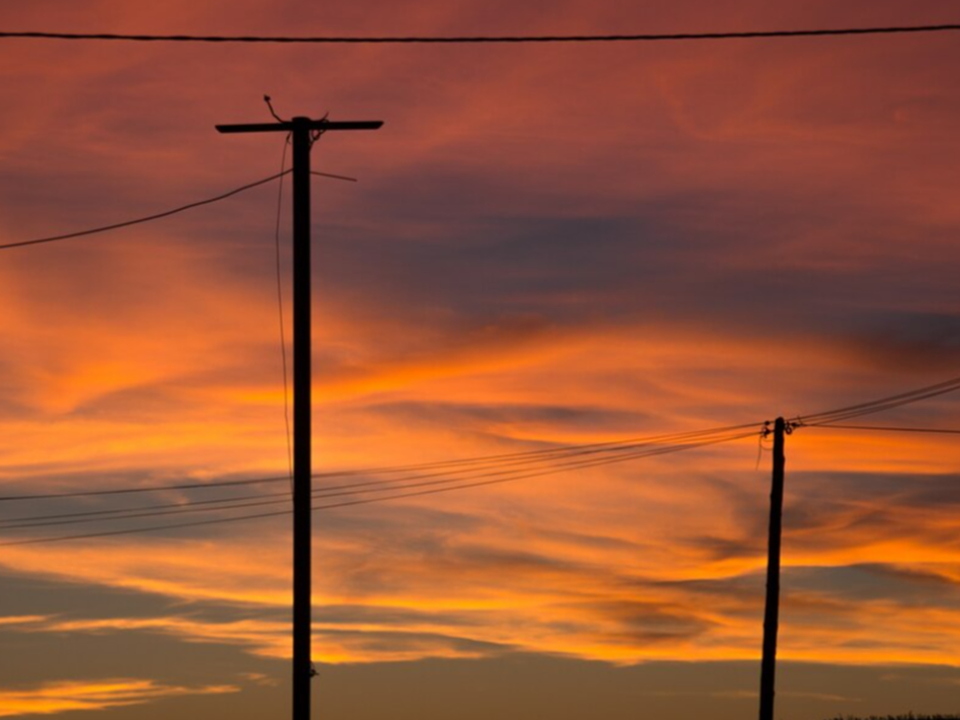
x=459, y=484
x=880, y=428
x=511, y=470
x=164, y=214
x=480, y=39
x=556, y=450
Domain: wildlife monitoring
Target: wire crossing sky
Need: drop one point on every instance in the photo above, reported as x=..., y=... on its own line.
x=486, y=39
x=493, y=478
x=165, y=214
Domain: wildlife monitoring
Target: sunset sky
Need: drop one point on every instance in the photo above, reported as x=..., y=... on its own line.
x=547, y=245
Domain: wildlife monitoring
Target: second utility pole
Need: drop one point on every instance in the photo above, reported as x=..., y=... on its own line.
x=771, y=615
x=304, y=132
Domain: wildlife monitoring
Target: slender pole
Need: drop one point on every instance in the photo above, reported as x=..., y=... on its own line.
x=771, y=616
x=301, y=128
x=302, y=420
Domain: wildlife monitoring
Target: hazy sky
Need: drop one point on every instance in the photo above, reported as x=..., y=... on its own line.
x=546, y=245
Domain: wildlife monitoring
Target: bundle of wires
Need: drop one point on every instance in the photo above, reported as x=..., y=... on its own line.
x=369, y=485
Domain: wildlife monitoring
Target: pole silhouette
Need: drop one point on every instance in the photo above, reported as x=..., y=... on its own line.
x=304, y=132
x=771, y=615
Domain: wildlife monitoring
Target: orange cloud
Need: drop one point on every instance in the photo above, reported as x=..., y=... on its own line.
x=58, y=697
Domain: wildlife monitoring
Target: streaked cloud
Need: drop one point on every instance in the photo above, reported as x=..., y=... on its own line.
x=58, y=697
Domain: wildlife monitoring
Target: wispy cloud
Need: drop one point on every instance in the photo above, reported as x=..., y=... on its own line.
x=64, y=696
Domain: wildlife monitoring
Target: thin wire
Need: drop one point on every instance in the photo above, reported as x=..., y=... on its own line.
x=168, y=213
x=158, y=488
x=213, y=521
x=760, y=447
x=872, y=410
x=882, y=404
x=476, y=460
x=639, y=449
x=335, y=177
x=608, y=461
x=564, y=449
x=283, y=339
x=359, y=488
x=100, y=514
x=474, y=39
x=936, y=431
x=138, y=221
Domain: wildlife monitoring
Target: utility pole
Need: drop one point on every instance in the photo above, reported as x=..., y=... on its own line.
x=304, y=131
x=771, y=615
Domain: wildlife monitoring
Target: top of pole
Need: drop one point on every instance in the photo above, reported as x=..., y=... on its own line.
x=287, y=126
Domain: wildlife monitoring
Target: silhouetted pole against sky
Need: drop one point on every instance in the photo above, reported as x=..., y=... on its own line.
x=771, y=615
x=304, y=132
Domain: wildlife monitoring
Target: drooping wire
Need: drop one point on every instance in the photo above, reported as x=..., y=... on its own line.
x=375, y=486
x=349, y=503
x=560, y=450
x=283, y=339
x=486, y=39
x=139, y=221
x=880, y=428
x=883, y=404
x=637, y=448
x=166, y=213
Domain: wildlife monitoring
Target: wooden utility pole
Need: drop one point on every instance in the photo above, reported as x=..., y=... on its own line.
x=771, y=616
x=304, y=132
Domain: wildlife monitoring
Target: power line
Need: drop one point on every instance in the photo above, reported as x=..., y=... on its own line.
x=485, y=39
x=514, y=458
x=104, y=514
x=350, y=503
x=595, y=463
x=283, y=340
x=166, y=213
x=881, y=405
x=378, y=486
x=382, y=485
x=876, y=428
x=132, y=491
x=148, y=218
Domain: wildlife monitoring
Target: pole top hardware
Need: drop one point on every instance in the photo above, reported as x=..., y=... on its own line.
x=322, y=124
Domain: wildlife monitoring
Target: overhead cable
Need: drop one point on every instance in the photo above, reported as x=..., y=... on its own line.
x=481, y=39
x=879, y=428
x=148, y=218
x=366, y=501
x=516, y=457
x=881, y=405
x=376, y=486
x=164, y=214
